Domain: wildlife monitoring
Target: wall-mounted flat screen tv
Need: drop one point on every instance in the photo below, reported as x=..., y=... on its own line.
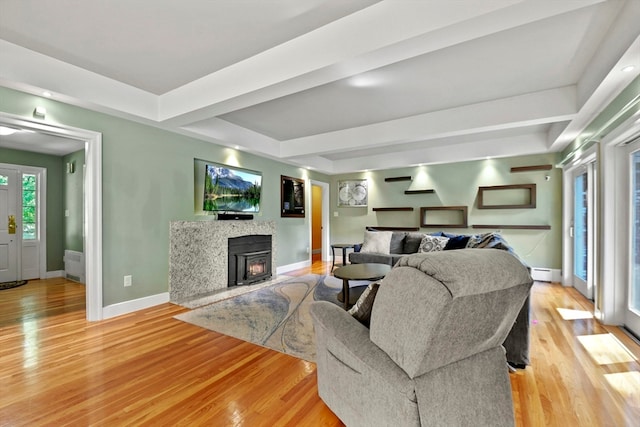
x=228, y=189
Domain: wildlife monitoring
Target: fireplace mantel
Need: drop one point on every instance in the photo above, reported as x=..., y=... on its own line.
x=198, y=254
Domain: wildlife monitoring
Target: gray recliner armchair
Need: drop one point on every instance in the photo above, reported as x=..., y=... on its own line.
x=433, y=354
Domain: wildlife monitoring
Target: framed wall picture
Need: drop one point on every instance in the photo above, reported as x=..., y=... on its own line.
x=353, y=193
x=291, y=197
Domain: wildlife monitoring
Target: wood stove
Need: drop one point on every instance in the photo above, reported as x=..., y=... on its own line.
x=249, y=259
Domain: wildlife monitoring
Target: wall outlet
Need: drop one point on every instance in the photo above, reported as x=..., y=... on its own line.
x=335, y=213
x=127, y=280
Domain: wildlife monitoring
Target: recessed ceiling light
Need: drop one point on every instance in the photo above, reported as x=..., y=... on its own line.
x=628, y=68
x=364, y=80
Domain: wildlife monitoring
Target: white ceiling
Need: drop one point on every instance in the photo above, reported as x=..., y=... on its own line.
x=335, y=85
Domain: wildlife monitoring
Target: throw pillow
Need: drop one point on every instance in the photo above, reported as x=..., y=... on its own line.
x=481, y=240
x=432, y=243
x=457, y=242
x=412, y=243
x=397, y=242
x=376, y=241
x=361, y=311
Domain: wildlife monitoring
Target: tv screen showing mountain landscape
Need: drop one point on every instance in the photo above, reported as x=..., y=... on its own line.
x=231, y=189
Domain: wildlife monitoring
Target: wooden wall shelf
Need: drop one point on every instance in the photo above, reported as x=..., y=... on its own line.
x=531, y=168
x=429, y=191
x=530, y=204
x=392, y=228
x=404, y=209
x=397, y=178
x=513, y=227
x=457, y=212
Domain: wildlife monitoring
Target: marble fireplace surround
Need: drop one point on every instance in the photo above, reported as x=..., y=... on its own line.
x=198, y=254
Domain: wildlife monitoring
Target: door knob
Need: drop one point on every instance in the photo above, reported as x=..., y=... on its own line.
x=12, y=224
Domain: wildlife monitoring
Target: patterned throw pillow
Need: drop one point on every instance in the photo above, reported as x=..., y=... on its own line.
x=361, y=311
x=432, y=243
x=486, y=240
x=377, y=241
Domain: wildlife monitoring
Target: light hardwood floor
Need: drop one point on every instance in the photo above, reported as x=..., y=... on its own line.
x=148, y=368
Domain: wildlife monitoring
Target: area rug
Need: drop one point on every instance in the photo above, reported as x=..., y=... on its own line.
x=10, y=285
x=276, y=316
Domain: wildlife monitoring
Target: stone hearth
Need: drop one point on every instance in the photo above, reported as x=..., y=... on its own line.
x=198, y=254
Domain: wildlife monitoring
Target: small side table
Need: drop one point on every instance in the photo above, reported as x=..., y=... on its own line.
x=344, y=247
x=359, y=272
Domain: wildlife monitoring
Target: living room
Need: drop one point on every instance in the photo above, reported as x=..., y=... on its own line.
x=142, y=175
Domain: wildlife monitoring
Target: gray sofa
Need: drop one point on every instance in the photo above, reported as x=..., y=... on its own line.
x=433, y=353
x=407, y=243
x=403, y=244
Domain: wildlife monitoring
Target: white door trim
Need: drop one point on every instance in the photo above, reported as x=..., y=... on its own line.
x=567, y=212
x=13, y=242
x=326, y=249
x=92, y=201
x=614, y=272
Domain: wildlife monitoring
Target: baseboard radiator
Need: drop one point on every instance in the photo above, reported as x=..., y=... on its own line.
x=74, y=266
x=546, y=274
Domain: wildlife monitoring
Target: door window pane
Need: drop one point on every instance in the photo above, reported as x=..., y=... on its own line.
x=4, y=180
x=580, y=242
x=634, y=289
x=29, y=217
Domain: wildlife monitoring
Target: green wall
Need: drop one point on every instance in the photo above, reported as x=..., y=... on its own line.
x=55, y=210
x=73, y=190
x=147, y=182
x=456, y=184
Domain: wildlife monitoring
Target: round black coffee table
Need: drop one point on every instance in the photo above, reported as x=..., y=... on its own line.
x=359, y=272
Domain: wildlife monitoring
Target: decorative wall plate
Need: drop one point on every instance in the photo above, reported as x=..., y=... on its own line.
x=353, y=193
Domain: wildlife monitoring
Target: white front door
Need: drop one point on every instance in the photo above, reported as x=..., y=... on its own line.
x=9, y=220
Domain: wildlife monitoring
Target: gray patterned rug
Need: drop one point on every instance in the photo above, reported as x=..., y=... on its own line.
x=276, y=316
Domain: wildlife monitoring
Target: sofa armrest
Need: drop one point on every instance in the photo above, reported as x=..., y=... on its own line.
x=346, y=339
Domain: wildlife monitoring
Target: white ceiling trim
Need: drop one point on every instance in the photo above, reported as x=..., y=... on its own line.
x=374, y=41
x=607, y=89
x=37, y=72
x=448, y=153
x=524, y=110
x=382, y=34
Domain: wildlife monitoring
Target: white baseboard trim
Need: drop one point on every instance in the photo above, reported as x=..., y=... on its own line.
x=543, y=274
x=54, y=274
x=127, y=307
x=295, y=266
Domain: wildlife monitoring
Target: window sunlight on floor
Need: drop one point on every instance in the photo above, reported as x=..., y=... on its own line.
x=570, y=314
x=606, y=349
x=628, y=385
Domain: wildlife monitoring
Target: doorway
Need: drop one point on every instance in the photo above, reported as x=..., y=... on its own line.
x=319, y=224
x=23, y=222
x=9, y=222
x=92, y=208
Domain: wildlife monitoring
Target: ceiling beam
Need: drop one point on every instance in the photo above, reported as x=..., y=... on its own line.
x=524, y=110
